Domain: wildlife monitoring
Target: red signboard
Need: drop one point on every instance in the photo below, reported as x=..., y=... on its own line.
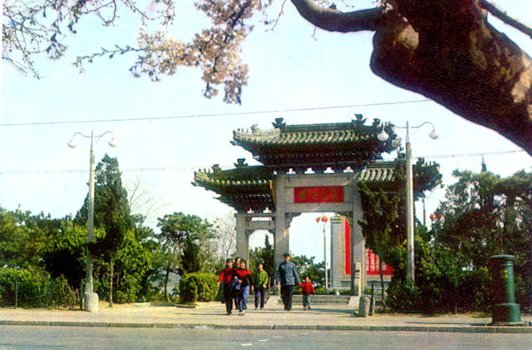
x=372, y=265
x=323, y=194
x=372, y=259
x=347, y=245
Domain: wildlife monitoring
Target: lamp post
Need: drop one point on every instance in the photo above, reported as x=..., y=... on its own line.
x=383, y=136
x=90, y=298
x=324, y=220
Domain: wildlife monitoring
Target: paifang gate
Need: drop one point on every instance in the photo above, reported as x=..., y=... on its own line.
x=305, y=169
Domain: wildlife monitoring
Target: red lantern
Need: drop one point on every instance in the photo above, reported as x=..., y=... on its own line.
x=324, y=218
x=432, y=217
x=318, y=219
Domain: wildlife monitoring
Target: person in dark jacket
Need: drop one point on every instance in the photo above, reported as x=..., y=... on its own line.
x=236, y=266
x=228, y=276
x=286, y=278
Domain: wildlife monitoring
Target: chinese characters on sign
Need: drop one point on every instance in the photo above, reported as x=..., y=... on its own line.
x=372, y=265
x=324, y=194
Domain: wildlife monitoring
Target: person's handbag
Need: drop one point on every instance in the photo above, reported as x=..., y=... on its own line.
x=234, y=285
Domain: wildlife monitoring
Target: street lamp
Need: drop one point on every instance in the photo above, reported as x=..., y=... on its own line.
x=324, y=220
x=90, y=298
x=383, y=136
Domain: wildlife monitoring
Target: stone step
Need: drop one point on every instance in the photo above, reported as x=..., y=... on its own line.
x=317, y=299
x=323, y=299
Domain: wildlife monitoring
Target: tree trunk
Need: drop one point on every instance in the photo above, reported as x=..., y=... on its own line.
x=166, y=278
x=447, y=51
x=383, y=301
x=111, y=276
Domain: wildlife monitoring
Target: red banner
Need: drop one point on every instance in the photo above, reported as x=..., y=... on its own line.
x=372, y=265
x=324, y=194
x=347, y=245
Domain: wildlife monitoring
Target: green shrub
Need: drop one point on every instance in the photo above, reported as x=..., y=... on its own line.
x=475, y=291
x=403, y=297
x=197, y=286
x=34, y=289
x=319, y=291
x=61, y=294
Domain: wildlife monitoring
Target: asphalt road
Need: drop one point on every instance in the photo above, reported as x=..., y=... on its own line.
x=29, y=337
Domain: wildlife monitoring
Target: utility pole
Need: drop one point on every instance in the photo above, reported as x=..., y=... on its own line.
x=90, y=298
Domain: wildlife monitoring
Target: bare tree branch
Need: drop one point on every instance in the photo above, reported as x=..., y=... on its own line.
x=503, y=16
x=333, y=20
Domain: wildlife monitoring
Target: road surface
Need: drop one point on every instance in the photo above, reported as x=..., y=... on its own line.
x=52, y=337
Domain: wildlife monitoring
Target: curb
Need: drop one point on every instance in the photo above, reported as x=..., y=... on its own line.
x=446, y=329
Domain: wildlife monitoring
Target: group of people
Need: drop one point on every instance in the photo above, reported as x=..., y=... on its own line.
x=238, y=281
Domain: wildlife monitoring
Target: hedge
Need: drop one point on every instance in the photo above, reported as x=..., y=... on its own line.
x=35, y=289
x=197, y=286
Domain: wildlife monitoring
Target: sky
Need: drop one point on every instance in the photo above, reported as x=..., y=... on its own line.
x=290, y=68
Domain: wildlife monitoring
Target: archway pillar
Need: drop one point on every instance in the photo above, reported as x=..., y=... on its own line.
x=336, y=192
x=242, y=237
x=358, y=244
x=246, y=224
x=282, y=233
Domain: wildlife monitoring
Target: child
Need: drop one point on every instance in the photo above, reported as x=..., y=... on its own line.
x=308, y=290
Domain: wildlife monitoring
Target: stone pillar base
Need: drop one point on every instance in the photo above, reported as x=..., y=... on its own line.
x=91, y=302
x=364, y=306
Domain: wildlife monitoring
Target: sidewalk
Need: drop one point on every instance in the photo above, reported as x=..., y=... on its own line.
x=212, y=315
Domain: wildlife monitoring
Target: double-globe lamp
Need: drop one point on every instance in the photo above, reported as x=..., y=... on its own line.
x=90, y=298
x=409, y=188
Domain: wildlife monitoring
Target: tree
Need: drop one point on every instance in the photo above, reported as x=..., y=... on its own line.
x=142, y=203
x=111, y=213
x=186, y=245
x=134, y=264
x=65, y=252
x=484, y=215
x=307, y=267
x=225, y=237
x=443, y=49
x=380, y=218
x=440, y=285
x=40, y=27
x=23, y=238
x=263, y=255
x=384, y=209
x=447, y=51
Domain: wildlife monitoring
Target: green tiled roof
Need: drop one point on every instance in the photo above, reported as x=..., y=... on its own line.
x=249, y=187
x=276, y=137
x=378, y=172
x=243, y=188
x=318, y=146
x=204, y=179
x=242, y=176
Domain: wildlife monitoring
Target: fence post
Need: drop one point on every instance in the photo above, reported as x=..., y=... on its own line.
x=16, y=291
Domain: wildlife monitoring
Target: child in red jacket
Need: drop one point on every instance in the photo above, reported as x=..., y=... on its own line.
x=307, y=289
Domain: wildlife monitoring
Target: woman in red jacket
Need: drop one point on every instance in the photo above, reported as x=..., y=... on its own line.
x=244, y=281
x=228, y=276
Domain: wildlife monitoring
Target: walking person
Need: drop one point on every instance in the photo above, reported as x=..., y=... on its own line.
x=236, y=265
x=229, y=278
x=307, y=289
x=260, y=283
x=286, y=278
x=244, y=281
